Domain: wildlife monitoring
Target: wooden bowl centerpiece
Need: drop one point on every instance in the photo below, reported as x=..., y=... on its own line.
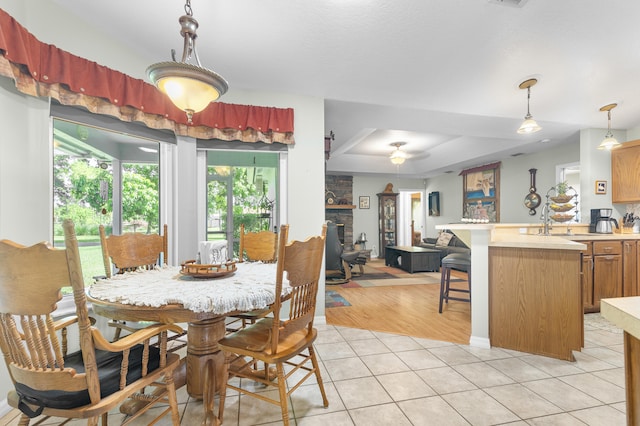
x=196, y=270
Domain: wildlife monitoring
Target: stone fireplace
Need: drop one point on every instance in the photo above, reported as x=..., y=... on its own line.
x=339, y=188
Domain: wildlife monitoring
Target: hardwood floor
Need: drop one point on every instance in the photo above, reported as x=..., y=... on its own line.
x=403, y=309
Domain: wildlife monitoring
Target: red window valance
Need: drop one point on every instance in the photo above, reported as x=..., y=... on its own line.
x=41, y=69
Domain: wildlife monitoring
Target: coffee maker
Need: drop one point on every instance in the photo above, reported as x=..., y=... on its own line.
x=601, y=221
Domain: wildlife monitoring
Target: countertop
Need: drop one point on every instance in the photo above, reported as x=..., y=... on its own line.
x=596, y=237
x=526, y=235
x=578, y=231
x=623, y=312
x=552, y=242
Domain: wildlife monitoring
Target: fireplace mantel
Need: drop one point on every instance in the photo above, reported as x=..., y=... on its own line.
x=339, y=206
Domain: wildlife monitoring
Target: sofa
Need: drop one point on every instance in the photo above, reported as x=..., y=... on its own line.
x=446, y=243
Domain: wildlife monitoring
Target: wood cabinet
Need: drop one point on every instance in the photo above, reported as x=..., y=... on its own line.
x=607, y=270
x=586, y=278
x=630, y=262
x=625, y=179
x=535, y=301
x=387, y=220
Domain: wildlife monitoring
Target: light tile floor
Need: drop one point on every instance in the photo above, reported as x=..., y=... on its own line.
x=383, y=379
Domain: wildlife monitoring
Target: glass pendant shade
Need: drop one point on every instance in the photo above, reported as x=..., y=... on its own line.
x=398, y=156
x=529, y=125
x=189, y=87
x=609, y=142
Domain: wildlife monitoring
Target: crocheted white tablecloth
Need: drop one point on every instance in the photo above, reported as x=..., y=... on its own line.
x=251, y=287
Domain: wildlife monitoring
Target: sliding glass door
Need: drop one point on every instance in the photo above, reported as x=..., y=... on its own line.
x=242, y=188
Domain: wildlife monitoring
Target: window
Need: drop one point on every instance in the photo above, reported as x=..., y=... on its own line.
x=103, y=177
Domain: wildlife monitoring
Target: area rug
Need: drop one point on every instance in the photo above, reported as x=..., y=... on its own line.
x=334, y=300
x=363, y=281
x=377, y=274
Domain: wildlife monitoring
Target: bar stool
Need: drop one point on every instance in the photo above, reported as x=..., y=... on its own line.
x=459, y=261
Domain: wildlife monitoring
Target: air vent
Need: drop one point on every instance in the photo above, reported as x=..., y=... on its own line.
x=512, y=3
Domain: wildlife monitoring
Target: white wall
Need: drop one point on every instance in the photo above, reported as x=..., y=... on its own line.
x=598, y=164
x=515, y=180
x=25, y=168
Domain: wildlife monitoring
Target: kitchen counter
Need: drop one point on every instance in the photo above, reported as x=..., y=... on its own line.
x=526, y=292
x=625, y=313
x=552, y=242
x=578, y=231
x=601, y=237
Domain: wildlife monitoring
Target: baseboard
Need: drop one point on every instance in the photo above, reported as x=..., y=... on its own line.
x=480, y=342
x=4, y=408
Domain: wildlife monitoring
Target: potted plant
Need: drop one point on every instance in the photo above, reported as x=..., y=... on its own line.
x=562, y=187
x=561, y=193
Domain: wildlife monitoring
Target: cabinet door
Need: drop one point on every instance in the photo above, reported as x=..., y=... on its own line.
x=607, y=277
x=587, y=284
x=629, y=269
x=625, y=180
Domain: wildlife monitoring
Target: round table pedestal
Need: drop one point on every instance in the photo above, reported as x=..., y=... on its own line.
x=202, y=348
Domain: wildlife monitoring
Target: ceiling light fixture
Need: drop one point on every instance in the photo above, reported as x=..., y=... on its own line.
x=147, y=149
x=398, y=156
x=190, y=87
x=529, y=125
x=609, y=142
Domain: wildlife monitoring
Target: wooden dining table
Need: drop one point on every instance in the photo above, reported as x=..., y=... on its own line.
x=167, y=295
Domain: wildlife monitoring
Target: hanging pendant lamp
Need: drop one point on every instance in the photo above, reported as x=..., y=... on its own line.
x=609, y=142
x=190, y=87
x=529, y=125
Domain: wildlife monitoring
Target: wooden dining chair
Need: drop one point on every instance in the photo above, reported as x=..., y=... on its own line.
x=85, y=384
x=262, y=246
x=281, y=340
x=134, y=251
x=256, y=246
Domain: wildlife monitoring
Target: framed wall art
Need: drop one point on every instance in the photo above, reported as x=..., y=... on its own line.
x=364, y=202
x=601, y=187
x=481, y=193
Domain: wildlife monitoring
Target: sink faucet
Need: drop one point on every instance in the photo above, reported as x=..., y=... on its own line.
x=546, y=219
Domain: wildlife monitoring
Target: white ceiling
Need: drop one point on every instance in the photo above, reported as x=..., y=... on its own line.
x=441, y=75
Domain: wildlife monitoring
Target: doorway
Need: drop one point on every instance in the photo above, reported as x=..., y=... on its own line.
x=411, y=215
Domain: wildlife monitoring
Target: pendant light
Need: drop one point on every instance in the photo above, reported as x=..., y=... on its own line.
x=529, y=125
x=609, y=142
x=398, y=156
x=190, y=87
